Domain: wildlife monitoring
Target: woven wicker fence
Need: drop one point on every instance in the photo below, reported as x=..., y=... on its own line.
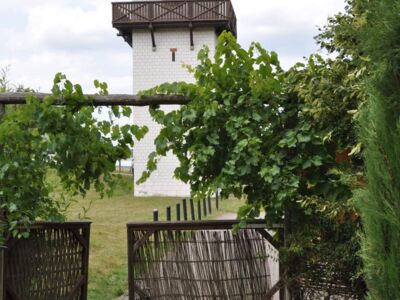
x=52, y=264
x=198, y=260
x=323, y=282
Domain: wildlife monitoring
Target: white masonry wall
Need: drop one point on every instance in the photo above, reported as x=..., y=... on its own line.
x=151, y=68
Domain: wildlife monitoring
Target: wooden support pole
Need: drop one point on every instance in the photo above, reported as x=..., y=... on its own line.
x=101, y=100
x=216, y=200
x=192, y=209
x=85, y=261
x=284, y=293
x=209, y=204
x=131, y=261
x=287, y=231
x=168, y=213
x=204, y=207
x=156, y=233
x=155, y=215
x=184, y=209
x=178, y=212
x=199, y=210
x=2, y=266
x=282, y=290
x=2, y=262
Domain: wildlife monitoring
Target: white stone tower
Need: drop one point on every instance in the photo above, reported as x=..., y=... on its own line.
x=164, y=35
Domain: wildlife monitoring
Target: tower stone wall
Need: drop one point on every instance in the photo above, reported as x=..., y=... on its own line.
x=152, y=67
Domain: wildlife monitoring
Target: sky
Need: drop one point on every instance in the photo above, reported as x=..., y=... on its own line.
x=42, y=37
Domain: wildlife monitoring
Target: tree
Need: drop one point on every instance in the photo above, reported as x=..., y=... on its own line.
x=40, y=136
x=379, y=202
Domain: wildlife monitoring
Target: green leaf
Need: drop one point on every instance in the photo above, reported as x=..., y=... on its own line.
x=35, y=132
x=12, y=207
x=316, y=160
x=126, y=111
x=302, y=138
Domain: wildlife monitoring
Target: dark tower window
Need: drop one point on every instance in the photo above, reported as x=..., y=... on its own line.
x=173, y=51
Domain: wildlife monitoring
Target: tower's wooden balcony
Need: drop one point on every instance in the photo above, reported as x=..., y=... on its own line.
x=172, y=13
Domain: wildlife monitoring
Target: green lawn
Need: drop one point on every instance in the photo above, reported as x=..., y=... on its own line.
x=108, y=249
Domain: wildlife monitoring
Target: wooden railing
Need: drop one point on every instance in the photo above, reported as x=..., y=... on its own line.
x=142, y=13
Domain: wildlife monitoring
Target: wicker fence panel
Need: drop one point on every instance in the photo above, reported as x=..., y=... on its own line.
x=52, y=264
x=198, y=260
x=323, y=281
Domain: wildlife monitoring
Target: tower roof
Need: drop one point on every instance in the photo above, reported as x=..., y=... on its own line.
x=128, y=16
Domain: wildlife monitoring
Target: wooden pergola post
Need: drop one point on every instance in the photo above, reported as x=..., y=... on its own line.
x=2, y=292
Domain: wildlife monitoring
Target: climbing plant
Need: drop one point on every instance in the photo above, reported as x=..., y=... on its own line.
x=41, y=136
x=284, y=140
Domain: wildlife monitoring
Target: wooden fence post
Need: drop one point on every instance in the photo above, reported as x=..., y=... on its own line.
x=131, y=261
x=192, y=209
x=168, y=213
x=216, y=200
x=2, y=292
x=85, y=260
x=199, y=210
x=284, y=293
x=287, y=232
x=2, y=262
x=178, y=212
x=2, y=266
x=204, y=207
x=209, y=204
x=282, y=290
x=184, y=208
x=155, y=215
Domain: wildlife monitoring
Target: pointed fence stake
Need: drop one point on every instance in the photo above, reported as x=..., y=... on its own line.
x=178, y=212
x=168, y=213
x=199, y=210
x=155, y=215
x=184, y=208
x=192, y=209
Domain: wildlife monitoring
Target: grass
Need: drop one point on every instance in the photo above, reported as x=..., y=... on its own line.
x=108, y=276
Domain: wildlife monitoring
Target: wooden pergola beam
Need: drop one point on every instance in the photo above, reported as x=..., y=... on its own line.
x=102, y=100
